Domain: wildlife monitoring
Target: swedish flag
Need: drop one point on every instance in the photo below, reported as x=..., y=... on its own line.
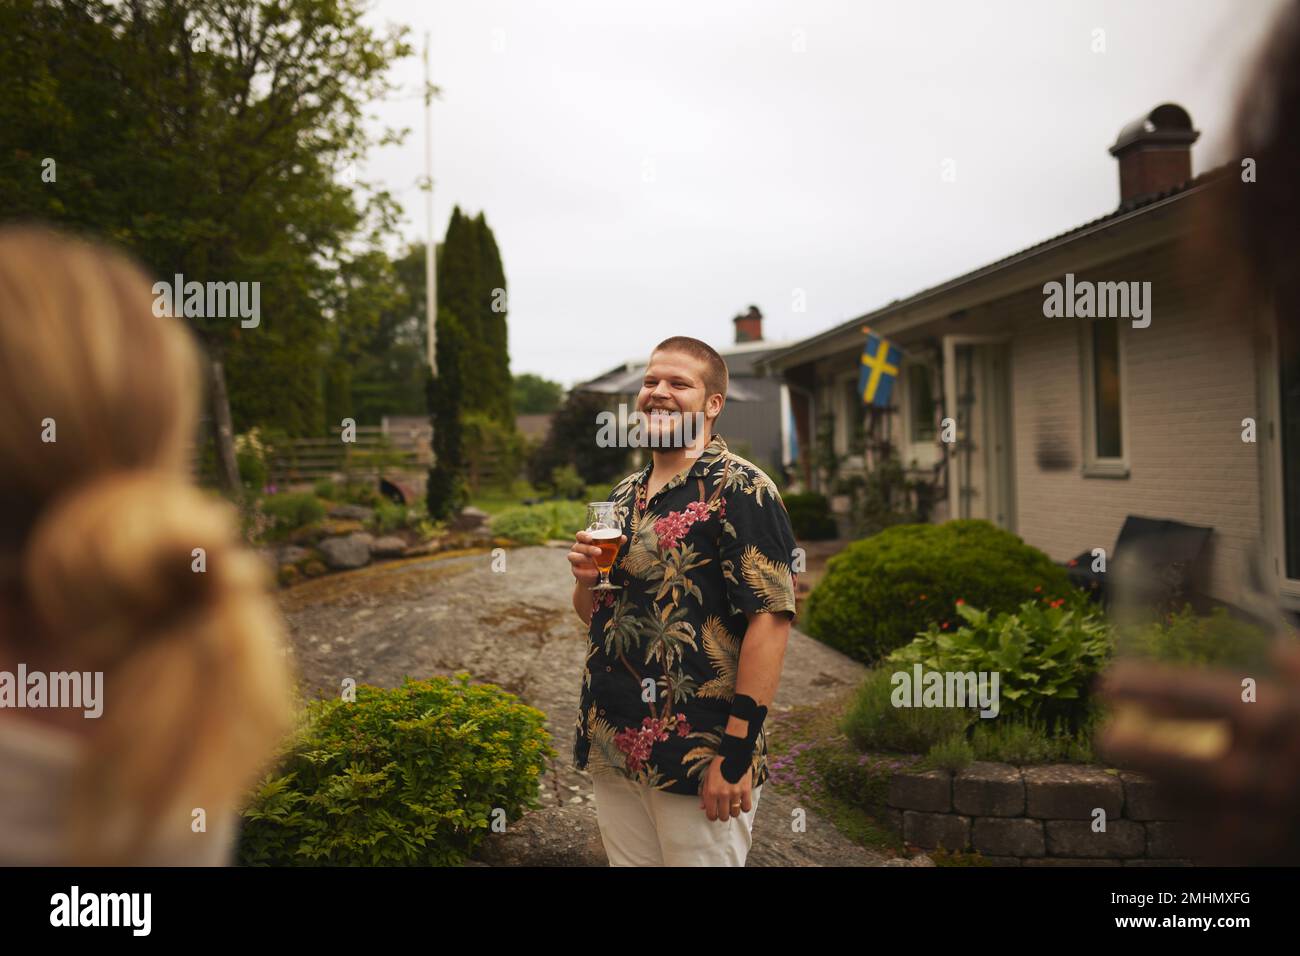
x=880, y=359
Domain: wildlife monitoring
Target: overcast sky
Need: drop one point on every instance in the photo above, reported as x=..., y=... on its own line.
x=653, y=169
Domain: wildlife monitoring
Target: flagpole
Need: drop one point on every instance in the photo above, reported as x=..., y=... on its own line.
x=430, y=272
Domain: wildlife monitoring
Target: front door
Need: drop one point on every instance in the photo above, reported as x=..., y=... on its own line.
x=977, y=395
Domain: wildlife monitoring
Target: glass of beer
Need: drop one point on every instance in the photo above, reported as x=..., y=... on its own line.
x=603, y=526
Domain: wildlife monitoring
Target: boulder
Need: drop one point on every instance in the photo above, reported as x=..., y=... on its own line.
x=292, y=554
x=389, y=546
x=343, y=554
x=352, y=512
x=469, y=519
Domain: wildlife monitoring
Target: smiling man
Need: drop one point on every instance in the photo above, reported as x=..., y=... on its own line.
x=684, y=659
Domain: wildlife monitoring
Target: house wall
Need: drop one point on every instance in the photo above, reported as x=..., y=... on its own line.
x=1188, y=381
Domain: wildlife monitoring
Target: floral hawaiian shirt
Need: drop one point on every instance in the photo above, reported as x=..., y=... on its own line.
x=663, y=650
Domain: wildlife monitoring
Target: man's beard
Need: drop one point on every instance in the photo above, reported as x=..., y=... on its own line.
x=673, y=429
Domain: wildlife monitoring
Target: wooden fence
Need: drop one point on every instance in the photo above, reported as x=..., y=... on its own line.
x=400, y=449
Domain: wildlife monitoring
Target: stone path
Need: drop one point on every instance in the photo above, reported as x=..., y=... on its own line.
x=516, y=629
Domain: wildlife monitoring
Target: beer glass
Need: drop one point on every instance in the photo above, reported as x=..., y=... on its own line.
x=603, y=526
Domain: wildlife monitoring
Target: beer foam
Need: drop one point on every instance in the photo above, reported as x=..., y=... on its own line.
x=603, y=534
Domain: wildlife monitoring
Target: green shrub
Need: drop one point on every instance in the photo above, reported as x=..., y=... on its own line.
x=361, y=493
x=873, y=723
x=877, y=594
x=953, y=754
x=1024, y=742
x=410, y=776
x=1046, y=657
x=325, y=488
x=810, y=517
x=390, y=517
x=534, y=524
x=568, y=484
x=290, y=511
x=1216, y=640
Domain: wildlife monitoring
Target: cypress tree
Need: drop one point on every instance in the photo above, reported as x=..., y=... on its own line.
x=445, y=492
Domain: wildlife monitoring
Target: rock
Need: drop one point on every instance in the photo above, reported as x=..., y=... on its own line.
x=292, y=554
x=352, y=512
x=365, y=537
x=563, y=835
x=331, y=527
x=469, y=519
x=389, y=546
x=343, y=554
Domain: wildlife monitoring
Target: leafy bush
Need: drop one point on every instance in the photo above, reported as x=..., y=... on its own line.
x=568, y=484
x=410, y=776
x=390, y=517
x=952, y=754
x=491, y=453
x=1024, y=742
x=878, y=593
x=289, y=511
x=810, y=517
x=325, y=488
x=571, y=440
x=534, y=524
x=1046, y=657
x=1216, y=640
x=872, y=721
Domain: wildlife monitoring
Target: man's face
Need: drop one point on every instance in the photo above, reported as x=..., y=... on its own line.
x=674, y=386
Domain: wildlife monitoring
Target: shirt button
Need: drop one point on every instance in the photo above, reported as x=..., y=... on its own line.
x=608, y=667
x=602, y=711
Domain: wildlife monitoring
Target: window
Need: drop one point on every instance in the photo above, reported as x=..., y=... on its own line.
x=1103, y=395
x=920, y=403
x=848, y=424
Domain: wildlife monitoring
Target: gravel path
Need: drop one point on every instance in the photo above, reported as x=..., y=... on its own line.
x=516, y=629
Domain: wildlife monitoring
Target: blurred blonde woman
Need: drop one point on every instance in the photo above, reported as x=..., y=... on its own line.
x=98, y=531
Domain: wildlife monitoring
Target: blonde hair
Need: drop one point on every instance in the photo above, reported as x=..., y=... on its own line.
x=98, y=533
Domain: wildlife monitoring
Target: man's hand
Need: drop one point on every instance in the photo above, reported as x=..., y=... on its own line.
x=582, y=558
x=582, y=562
x=721, y=800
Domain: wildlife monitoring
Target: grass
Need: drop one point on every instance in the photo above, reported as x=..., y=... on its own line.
x=808, y=753
x=496, y=500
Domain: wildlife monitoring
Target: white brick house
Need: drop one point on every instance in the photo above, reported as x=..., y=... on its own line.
x=1066, y=425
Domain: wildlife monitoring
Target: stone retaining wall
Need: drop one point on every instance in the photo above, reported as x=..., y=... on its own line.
x=1038, y=816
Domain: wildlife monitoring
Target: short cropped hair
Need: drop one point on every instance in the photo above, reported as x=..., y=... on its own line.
x=715, y=369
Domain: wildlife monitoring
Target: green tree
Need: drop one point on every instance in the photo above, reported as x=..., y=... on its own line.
x=534, y=395
x=446, y=491
x=207, y=138
x=472, y=285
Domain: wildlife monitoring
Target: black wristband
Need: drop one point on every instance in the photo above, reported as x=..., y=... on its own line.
x=737, y=754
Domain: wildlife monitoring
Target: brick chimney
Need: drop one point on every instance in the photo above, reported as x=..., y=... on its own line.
x=749, y=327
x=1154, y=153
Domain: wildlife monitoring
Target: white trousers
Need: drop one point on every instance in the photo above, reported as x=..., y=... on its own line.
x=644, y=827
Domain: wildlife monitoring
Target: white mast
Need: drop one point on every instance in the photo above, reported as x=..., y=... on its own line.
x=430, y=274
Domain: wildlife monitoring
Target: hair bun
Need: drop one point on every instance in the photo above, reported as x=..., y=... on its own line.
x=130, y=554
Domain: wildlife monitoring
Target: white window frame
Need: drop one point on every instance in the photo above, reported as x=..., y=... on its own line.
x=1269, y=439
x=926, y=454
x=844, y=413
x=1095, y=466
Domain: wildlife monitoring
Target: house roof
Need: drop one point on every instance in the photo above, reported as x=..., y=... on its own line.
x=1125, y=211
